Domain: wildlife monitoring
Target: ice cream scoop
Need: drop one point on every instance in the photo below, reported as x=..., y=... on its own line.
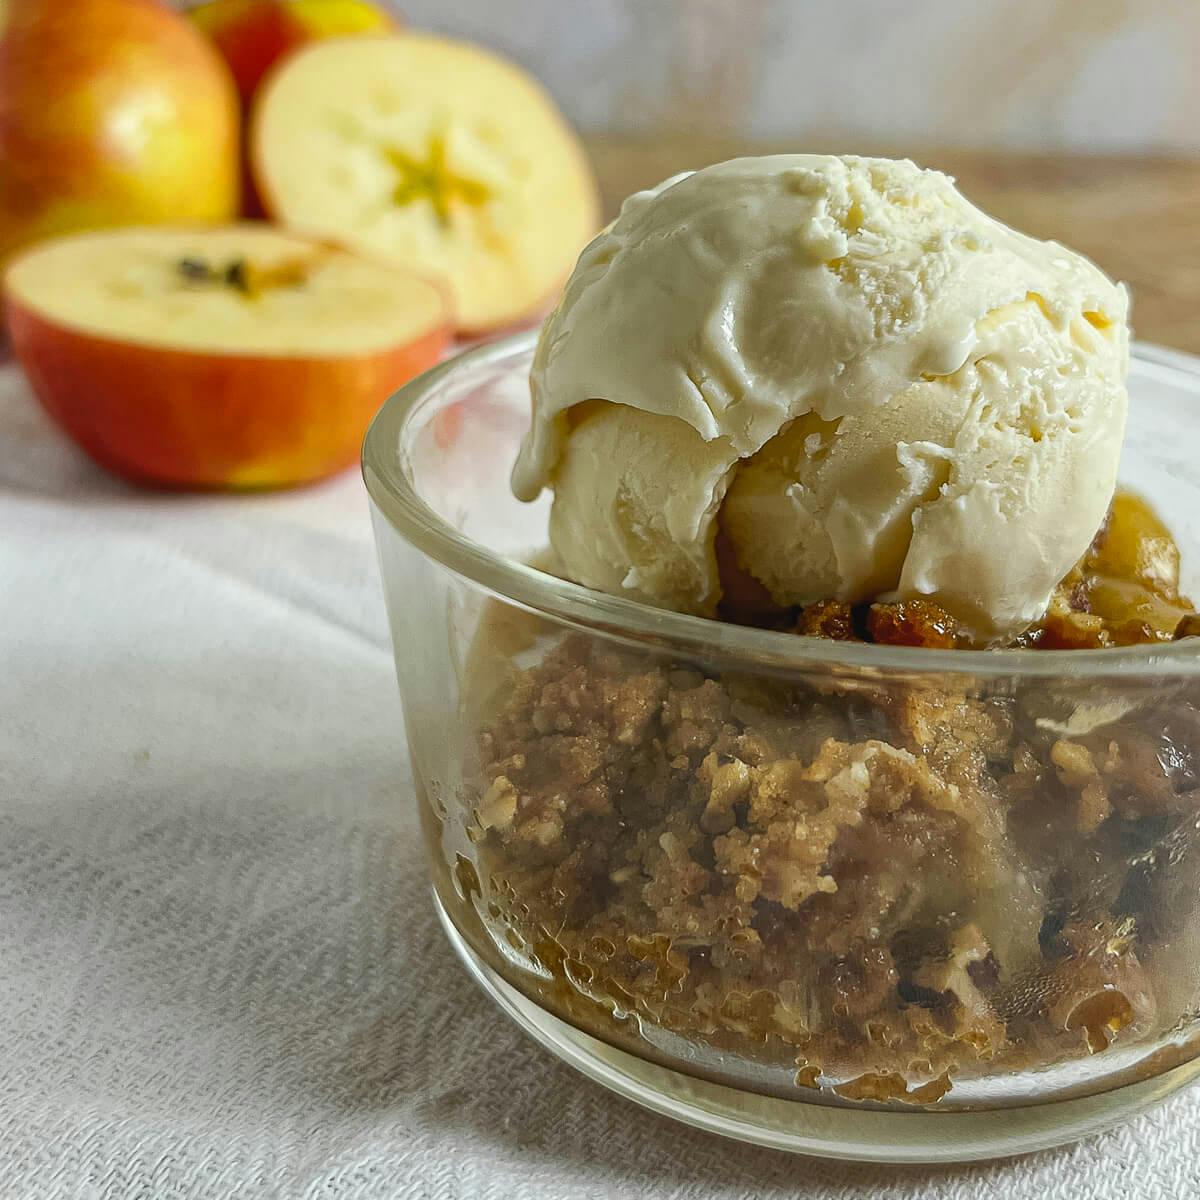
x=876, y=390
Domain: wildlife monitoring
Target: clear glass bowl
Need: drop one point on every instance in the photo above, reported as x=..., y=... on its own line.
x=855, y=900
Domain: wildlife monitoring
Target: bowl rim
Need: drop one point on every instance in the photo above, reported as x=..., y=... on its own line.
x=633, y=622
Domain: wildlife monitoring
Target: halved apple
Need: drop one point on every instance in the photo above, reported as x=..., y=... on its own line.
x=433, y=154
x=240, y=356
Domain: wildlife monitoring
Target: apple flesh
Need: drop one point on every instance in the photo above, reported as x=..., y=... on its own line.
x=112, y=112
x=237, y=357
x=434, y=155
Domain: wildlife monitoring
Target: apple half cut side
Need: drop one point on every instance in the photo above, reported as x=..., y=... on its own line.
x=234, y=357
x=432, y=154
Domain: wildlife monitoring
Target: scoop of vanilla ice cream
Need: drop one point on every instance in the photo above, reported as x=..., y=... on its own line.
x=879, y=392
x=635, y=500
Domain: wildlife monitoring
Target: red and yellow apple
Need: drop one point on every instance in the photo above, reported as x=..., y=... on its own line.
x=253, y=35
x=431, y=154
x=112, y=112
x=236, y=357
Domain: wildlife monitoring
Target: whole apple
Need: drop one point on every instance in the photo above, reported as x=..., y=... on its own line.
x=112, y=112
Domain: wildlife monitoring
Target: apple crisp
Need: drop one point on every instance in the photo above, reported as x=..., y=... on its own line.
x=889, y=886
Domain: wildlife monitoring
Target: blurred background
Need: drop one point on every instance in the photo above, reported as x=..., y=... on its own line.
x=1051, y=75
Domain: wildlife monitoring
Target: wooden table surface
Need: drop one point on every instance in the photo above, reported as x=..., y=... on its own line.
x=1138, y=218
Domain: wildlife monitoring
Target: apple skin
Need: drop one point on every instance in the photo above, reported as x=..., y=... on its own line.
x=253, y=35
x=112, y=112
x=188, y=419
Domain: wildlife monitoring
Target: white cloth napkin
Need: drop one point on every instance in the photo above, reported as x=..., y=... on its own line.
x=220, y=972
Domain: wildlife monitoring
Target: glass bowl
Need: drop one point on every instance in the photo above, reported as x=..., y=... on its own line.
x=852, y=900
